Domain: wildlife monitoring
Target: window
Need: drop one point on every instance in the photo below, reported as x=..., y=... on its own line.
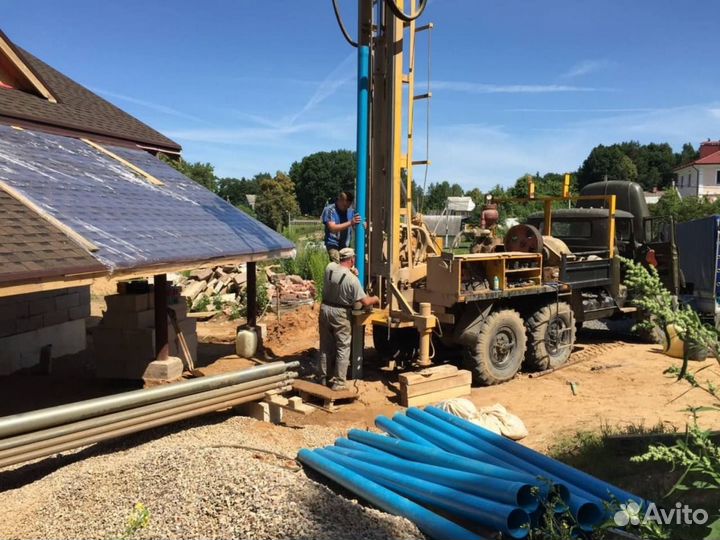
x=717, y=176
x=572, y=229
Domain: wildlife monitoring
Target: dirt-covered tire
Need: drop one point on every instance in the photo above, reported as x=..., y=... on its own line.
x=498, y=351
x=551, y=336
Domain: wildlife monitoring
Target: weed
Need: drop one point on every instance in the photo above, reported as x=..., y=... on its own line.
x=139, y=519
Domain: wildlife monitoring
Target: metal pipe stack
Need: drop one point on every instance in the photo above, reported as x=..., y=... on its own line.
x=45, y=432
x=455, y=479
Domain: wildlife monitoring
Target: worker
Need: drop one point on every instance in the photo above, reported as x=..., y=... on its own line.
x=339, y=218
x=341, y=290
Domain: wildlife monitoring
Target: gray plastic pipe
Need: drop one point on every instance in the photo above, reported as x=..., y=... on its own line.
x=66, y=429
x=94, y=426
x=74, y=412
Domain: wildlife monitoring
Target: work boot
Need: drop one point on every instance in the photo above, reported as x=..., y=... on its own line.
x=338, y=385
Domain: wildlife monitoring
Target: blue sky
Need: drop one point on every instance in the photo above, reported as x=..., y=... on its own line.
x=518, y=86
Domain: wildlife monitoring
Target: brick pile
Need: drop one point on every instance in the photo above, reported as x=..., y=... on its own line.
x=124, y=341
x=205, y=285
x=291, y=290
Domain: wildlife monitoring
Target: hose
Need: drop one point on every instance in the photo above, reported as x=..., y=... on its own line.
x=400, y=15
x=341, y=24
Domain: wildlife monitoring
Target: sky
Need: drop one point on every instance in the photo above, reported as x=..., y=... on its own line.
x=518, y=86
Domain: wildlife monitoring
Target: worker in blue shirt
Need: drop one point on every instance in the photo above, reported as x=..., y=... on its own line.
x=339, y=219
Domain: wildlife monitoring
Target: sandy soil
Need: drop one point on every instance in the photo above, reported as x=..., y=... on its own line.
x=618, y=384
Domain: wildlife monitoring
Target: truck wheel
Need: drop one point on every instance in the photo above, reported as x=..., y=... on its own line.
x=551, y=336
x=498, y=351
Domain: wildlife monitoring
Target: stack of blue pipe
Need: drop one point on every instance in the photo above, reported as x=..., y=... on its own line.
x=453, y=478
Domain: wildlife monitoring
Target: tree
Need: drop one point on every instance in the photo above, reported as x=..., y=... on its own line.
x=437, y=194
x=235, y=190
x=606, y=162
x=321, y=176
x=276, y=200
x=202, y=173
x=687, y=154
x=684, y=209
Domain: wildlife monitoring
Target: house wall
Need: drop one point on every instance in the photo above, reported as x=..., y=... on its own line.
x=689, y=184
x=30, y=322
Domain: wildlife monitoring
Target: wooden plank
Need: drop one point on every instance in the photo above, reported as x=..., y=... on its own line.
x=26, y=72
x=323, y=392
x=440, y=395
x=15, y=194
x=137, y=170
x=13, y=290
x=462, y=377
x=424, y=375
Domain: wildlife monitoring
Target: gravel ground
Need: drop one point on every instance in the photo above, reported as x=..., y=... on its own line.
x=229, y=477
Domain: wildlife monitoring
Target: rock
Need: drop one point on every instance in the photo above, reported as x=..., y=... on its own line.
x=202, y=274
x=194, y=288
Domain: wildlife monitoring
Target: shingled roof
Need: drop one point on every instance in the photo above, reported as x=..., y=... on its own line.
x=77, y=111
x=31, y=248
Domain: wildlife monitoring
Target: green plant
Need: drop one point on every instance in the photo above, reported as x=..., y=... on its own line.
x=202, y=304
x=217, y=303
x=139, y=519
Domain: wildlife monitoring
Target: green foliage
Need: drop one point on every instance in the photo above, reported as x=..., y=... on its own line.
x=235, y=190
x=607, y=161
x=309, y=263
x=276, y=200
x=685, y=208
x=202, y=304
x=321, y=176
x=436, y=196
x=649, y=164
x=202, y=173
x=139, y=519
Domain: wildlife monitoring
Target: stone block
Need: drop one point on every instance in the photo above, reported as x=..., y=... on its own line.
x=257, y=410
x=56, y=317
x=164, y=370
x=79, y=312
x=23, y=350
x=28, y=324
x=129, y=319
x=8, y=327
x=16, y=309
x=180, y=308
x=127, y=302
x=83, y=294
x=40, y=305
x=66, y=301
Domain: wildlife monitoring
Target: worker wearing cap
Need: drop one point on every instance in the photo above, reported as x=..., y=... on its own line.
x=341, y=290
x=339, y=219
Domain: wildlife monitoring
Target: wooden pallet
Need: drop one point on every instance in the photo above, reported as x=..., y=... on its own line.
x=433, y=384
x=310, y=392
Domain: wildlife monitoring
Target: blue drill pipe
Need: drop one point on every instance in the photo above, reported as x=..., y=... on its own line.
x=588, y=513
x=487, y=487
x=510, y=520
x=589, y=483
x=363, y=121
x=428, y=522
x=431, y=456
x=448, y=443
x=399, y=432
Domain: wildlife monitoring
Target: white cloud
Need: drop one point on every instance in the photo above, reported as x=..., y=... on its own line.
x=482, y=156
x=585, y=67
x=483, y=88
x=164, y=109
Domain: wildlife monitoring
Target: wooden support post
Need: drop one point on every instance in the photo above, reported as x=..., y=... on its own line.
x=162, y=347
x=252, y=294
x=425, y=335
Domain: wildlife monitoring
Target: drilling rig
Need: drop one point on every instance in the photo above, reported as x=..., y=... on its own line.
x=517, y=300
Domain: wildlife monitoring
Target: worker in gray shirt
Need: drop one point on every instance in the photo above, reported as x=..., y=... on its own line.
x=341, y=289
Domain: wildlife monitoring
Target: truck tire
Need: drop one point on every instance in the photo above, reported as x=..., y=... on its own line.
x=551, y=336
x=498, y=351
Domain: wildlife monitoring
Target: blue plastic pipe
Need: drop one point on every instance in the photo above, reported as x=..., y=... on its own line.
x=487, y=487
x=508, y=519
x=432, y=456
x=448, y=443
x=400, y=432
x=428, y=522
x=363, y=122
x=560, y=470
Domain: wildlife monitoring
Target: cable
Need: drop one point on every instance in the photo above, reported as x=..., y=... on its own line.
x=342, y=25
x=400, y=15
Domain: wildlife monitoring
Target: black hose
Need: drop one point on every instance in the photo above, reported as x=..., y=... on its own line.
x=342, y=25
x=400, y=15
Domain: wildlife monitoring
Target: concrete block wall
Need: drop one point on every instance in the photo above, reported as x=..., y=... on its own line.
x=30, y=322
x=124, y=341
